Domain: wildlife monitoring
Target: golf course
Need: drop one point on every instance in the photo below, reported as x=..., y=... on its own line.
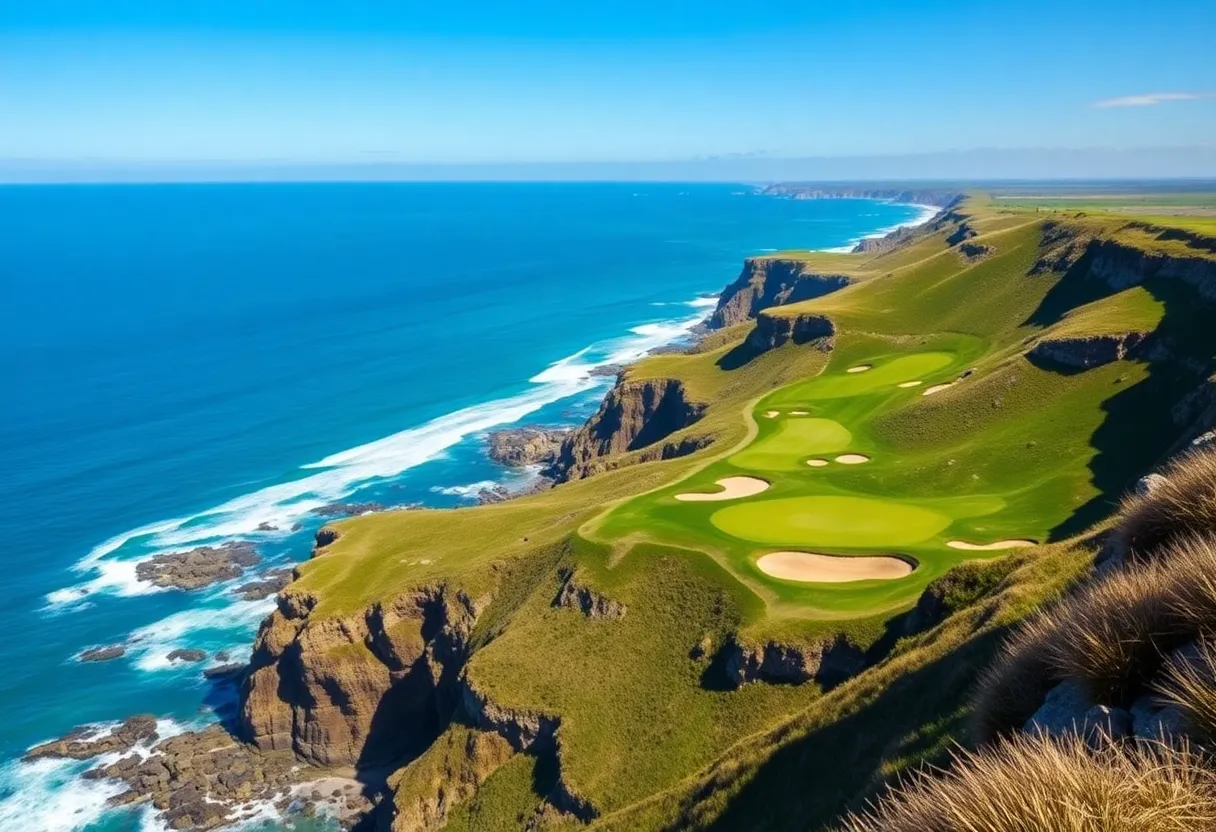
x=782, y=553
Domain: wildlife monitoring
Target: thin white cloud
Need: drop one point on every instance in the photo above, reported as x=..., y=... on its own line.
x=1152, y=99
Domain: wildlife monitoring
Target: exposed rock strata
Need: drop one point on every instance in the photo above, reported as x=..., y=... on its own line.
x=87, y=742
x=587, y=601
x=360, y=690
x=520, y=447
x=828, y=662
x=633, y=415
x=771, y=281
x=773, y=331
x=199, y=567
x=1090, y=351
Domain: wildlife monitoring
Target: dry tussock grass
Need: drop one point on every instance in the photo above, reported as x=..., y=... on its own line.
x=1112, y=636
x=1036, y=784
x=1182, y=506
x=1189, y=682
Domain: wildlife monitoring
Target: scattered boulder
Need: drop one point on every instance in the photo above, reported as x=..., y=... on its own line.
x=103, y=654
x=198, y=567
x=1063, y=710
x=187, y=655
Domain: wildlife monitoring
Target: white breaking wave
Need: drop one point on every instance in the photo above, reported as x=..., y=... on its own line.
x=927, y=212
x=150, y=646
x=49, y=795
x=470, y=490
x=339, y=475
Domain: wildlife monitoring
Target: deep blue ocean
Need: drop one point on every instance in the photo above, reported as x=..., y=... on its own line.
x=186, y=363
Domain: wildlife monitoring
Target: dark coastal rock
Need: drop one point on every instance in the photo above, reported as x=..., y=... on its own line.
x=268, y=584
x=103, y=654
x=348, y=509
x=887, y=242
x=199, y=567
x=86, y=742
x=266, y=527
x=232, y=670
x=191, y=656
x=325, y=536
x=523, y=446
x=500, y=493
x=606, y=370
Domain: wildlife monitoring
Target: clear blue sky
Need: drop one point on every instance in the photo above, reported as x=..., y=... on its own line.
x=450, y=81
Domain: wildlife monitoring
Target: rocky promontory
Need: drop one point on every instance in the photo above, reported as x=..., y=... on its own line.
x=938, y=197
x=771, y=281
x=634, y=414
x=198, y=567
x=528, y=445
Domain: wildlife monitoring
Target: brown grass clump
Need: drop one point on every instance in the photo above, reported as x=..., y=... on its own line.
x=1037, y=784
x=1112, y=636
x=1182, y=505
x=1188, y=681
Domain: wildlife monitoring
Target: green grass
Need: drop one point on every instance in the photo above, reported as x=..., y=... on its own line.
x=794, y=439
x=833, y=522
x=1013, y=450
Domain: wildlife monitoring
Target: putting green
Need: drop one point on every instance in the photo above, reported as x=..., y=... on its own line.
x=794, y=440
x=904, y=368
x=830, y=521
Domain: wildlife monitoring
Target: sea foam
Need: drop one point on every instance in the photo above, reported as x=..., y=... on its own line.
x=339, y=475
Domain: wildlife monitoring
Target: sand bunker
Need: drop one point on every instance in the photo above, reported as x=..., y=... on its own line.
x=852, y=459
x=832, y=569
x=733, y=488
x=912, y=384
x=800, y=413
x=937, y=388
x=989, y=547
x=771, y=414
x=860, y=368
x=817, y=463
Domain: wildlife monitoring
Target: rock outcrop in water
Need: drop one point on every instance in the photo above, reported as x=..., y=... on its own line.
x=635, y=414
x=520, y=447
x=771, y=281
x=198, y=567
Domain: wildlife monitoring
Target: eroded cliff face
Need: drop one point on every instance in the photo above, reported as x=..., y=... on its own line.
x=1090, y=351
x=773, y=331
x=828, y=662
x=633, y=415
x=766, y=282
x=362, y=690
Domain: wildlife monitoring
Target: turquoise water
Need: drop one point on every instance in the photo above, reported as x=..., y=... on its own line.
x=186, y=363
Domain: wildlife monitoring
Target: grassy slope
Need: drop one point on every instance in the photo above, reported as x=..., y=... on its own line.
x=640, y=715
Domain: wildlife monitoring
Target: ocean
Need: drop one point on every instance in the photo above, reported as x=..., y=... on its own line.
x=194, y=364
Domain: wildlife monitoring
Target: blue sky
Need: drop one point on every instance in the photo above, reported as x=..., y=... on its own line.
x=358, y=82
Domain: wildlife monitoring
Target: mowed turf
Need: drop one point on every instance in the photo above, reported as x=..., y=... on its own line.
x=1010, y=450
x=796, y=438
x=830, y=521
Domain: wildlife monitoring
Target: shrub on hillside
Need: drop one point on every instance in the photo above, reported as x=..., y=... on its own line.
x=1032, y=783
